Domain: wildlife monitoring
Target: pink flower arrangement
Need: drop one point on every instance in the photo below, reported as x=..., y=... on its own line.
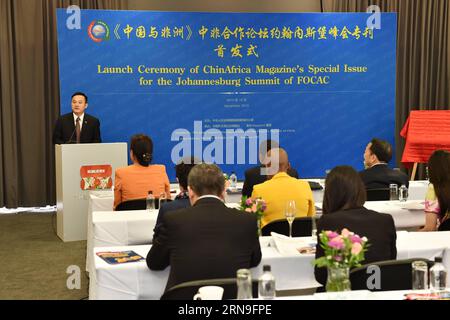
x=341, y=250
x=257, y=206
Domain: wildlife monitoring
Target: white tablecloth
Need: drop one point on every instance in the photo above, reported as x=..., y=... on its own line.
x=120, y=228
x=104, y=200
x=98, y=201
x=136, y=281
x=417, y=190
x=403, y=218
x=406, y=215
x=357, y=295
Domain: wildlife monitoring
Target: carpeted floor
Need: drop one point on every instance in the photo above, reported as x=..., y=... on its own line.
x=34, y=260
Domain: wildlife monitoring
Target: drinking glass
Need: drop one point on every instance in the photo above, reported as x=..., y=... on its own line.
x=290, y=214
x=244, y=284
x=393, y=191
x=162, y=199
x=419, y=275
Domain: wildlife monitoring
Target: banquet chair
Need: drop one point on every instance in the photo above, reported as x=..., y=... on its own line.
x=137, y=204
x=381, y=194
x=444, y=226
x=395, y=275
x=301, y=227
x=187, y=290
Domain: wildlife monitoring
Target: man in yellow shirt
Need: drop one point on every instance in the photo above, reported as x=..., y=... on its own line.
x=281, y=188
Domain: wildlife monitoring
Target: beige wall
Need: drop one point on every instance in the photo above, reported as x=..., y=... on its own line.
x=227, y=5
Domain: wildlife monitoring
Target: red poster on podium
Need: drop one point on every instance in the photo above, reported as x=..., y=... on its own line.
x=425, y=131
x=96, y=177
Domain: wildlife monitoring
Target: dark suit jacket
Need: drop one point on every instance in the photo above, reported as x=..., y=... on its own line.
x=381, y=176
x=206, y=241
x=65, y=130
x=378, y=227
x=167, y=207
x=253, y=177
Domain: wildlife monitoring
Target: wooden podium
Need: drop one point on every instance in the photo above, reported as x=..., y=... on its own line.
x=71, y=197
x=425, y=131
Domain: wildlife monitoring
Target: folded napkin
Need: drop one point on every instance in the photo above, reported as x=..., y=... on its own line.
x=413, y=205
x=289, y=246
x=233, y=205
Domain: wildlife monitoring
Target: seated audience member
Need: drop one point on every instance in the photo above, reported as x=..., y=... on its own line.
x=136, y=180
x=377, y=174
x=255, y=175
x=182, y=199
x=282, y=188
x=343, y=202
x=208, y=240
x=437, y=200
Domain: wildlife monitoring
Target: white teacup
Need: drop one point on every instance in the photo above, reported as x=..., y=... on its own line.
x=209, y=293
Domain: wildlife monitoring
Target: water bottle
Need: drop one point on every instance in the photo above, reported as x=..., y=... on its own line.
x=403, y=193
x=244, y=284
x=150, y=200
x=313, y=231
x=438, y=275
x=233, y=181
x=266, y=285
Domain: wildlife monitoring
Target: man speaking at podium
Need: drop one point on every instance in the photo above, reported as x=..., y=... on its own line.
x=77, y=126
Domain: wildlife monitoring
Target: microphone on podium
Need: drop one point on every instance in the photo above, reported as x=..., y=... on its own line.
x=71, y=136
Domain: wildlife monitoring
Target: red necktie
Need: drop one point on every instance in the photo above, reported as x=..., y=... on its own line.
x=78, y=130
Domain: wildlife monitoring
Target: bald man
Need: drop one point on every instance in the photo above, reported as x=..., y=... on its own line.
x=281, y=188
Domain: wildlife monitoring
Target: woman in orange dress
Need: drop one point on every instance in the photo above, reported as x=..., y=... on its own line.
x=136, y=180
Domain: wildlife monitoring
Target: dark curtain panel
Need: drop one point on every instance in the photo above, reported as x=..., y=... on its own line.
x=29, y=100
x=423, y=57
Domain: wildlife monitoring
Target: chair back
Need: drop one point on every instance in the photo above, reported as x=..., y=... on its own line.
x=393, y=275
x=187, y=290
x=381, y=194
x=137, y=204
x=445, y=226
x=301, y=227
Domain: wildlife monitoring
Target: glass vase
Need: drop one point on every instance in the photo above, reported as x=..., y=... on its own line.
x=338, y=279
x=258, y=221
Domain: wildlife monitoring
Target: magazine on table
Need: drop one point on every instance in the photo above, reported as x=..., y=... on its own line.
x=120, y=257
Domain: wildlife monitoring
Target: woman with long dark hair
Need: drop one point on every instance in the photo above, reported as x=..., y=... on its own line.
x=343, y=207
x=136, y=180
x=437, y=200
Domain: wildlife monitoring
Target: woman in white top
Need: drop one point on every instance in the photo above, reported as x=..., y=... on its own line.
x=437, y=199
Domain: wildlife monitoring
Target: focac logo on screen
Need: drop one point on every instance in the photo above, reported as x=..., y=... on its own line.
x=98, y=31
